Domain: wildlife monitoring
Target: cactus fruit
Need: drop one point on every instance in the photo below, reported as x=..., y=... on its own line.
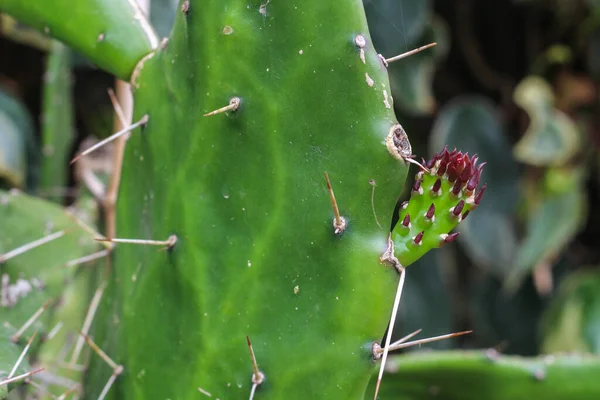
x=441, y=197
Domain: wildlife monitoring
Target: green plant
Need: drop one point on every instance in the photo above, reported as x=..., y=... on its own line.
x=252, y=249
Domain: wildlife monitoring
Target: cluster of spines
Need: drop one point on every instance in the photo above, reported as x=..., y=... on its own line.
x=442, y=196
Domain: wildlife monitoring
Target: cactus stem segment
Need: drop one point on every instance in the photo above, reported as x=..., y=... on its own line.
x=234, y=103
x=390, y=329
x=339, y=222
x=257, y=376
x=31, y=245
x=14, y=338
x=169, y=243
x=20, y=377
x=23, y=353
x=408, y=53
x=141, y=122
x=88, y=258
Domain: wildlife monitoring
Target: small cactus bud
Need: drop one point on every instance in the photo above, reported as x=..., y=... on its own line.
x=419, y=238
x=435, y=189
x=451, y=237
x=479, y=194
x=430, y=212
x=458, y=208
x=406, y=221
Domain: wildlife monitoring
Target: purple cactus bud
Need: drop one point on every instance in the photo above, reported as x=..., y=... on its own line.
x=404, y=204
x=456, y=188
x=465, y=214
x=406, y=220
x=436, y=186
x=479, y=194
x=417, y=185
x=451, y=237
x=419, y=238
x=458, y=208
x=430, y=211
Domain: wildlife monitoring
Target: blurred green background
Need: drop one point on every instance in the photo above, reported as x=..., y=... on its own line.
x=515, y=81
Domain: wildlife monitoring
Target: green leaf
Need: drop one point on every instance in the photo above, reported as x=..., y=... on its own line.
x=572, y=322
x=551, y=224
x=16, y=129
x=114, y=34
x=475, y=375
x=552, y=138
x=472, y=125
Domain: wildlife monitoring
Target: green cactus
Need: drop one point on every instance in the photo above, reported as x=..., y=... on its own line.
x=259, y=251
x=441, y=198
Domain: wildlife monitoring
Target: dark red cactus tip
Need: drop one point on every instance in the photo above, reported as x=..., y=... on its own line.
x=436, y=186
x=417, y=186
x=451, y=237
x=466, y=213
x=479, y=194
x=406, y=220
x=456, y=188
x=458, y=208
x=430, y=212
x=404, y=204
x=419, y=238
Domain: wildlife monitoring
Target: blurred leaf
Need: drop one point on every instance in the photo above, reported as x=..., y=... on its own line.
x=551, y=225
x=395, y=25
x=552, y=138
x=162, y=16
x=57, y=121
x=510, y=322
x=411, y=78
x=573, y=91
x=572, y=322
x=15, y=127
x=471, y=125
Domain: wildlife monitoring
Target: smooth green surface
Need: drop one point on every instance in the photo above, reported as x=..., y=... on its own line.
x=57, y=120
x=113, y=34
x=245, y=194
x=480, y=375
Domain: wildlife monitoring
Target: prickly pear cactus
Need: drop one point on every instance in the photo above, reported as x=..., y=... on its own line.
x=441, y=197
x=244, y=191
